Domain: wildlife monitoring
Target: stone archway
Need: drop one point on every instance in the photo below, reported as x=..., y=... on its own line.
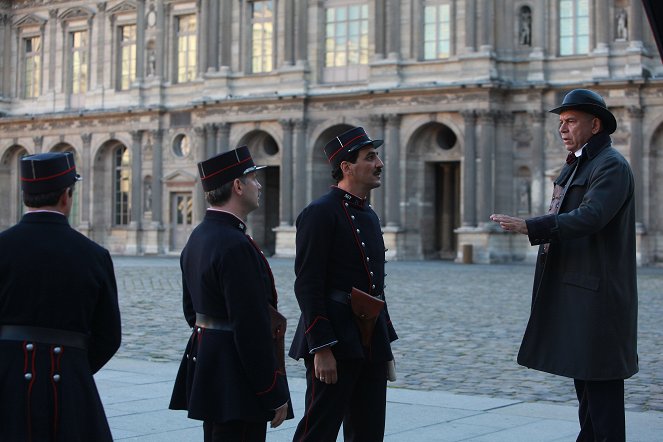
x=433, y=189
x=10, y=188
x=265, y=151
x=654, y=199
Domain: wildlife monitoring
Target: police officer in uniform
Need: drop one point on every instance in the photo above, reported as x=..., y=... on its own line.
x=59, y=315
x=339, y=246
x=229, y=377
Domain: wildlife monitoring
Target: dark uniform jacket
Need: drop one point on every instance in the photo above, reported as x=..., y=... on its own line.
x=583, y=322
x=339, y=246
x=228, y=374
x=54, y=277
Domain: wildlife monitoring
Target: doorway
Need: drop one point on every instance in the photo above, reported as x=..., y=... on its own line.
x=181, y=218
x=447, y=208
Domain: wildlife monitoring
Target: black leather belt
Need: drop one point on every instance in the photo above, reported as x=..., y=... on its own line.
x=44, y=336
x=212, y=323
x=343, y=297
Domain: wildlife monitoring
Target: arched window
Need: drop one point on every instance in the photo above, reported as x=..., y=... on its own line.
x=121, y=186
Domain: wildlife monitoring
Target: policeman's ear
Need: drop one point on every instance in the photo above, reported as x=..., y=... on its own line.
x=237, y=186
x=346, y=168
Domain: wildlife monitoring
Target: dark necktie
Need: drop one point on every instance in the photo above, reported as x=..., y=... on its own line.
x=571, y=158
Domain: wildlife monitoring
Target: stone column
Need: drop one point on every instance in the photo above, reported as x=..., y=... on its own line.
x=157, y=177
x=485, y=24
x=213, y=37
x=469, y=170
x=393, y=169
x=539, y=183
x=199, y=203
x=380, y=28
x=210, y=140
x=5, y=53
x=602, y=21
x=86, y=184
x=635, y=115
x=140, y=41
x=161, y=34
x=635, y=24
x=486, y=147
x=52, y=47
x=223, y=137
x=136, y=178
x=38, y=141
x=101, y=66
x=289, y=33
x=286, y=183
x=203, y=34
x=225, y=36
x=376, y=132
x=393, y=41
x=470, y=25
x=301, y=43
x=299, y=170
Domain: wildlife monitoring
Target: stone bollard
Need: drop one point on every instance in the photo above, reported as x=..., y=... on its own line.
x=467, y=253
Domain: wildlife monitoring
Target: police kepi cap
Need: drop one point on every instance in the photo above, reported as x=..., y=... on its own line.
x=338, y=148
x=588, y=101
x=48, y=172
x=225, y=167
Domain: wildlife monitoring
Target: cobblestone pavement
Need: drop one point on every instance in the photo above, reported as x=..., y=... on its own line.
x=460, y=326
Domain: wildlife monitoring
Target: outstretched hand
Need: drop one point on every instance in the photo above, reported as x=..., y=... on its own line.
x=510, y=223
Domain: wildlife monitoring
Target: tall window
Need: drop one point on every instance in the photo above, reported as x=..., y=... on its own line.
x=121, y=185
x=262, y=35
x=32, y=67
x=79, y=48
x=346, y=44
x=573, y=27
x=186, y=48
x=437, y=31
x=127, y=44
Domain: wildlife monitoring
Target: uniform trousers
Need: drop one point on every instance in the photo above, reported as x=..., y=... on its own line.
x=358, y=400
x=235, y=431
x=601, y=410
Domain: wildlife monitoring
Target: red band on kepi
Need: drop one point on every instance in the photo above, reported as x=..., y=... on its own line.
x=225, y=167
x=338, y=148
x=48, y=172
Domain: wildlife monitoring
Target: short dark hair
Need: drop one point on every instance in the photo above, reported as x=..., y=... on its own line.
x=221, y=195
x=337, y=173
x=36, y=200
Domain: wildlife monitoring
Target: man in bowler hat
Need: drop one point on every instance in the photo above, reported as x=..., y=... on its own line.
x=339, y=246
x=583, y=319
x=229, y=376
x=59, y=315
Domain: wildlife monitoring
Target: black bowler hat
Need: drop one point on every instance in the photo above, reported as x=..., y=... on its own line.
x=225, y=167
x=590, y=102
x=338, y=148
x=48, y=172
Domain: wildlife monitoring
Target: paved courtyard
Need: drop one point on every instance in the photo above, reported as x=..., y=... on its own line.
x=459, y=325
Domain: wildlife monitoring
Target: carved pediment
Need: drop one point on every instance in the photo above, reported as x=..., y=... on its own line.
x=29, y=20
x=75, y=13
x=125, y=6
x=179, y=177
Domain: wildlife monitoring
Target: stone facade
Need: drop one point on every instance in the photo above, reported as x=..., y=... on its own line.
x=466, y=135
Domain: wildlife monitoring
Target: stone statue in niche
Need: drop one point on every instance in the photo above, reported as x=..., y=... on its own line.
x=622, y=24
x=524, y=196
x=525, y=27
x=148, y=196
x=151, y=62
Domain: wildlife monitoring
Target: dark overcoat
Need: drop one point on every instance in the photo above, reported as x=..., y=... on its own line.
x=583, y=321
x=339, y=246
x=231, y=374
x=54, y=277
